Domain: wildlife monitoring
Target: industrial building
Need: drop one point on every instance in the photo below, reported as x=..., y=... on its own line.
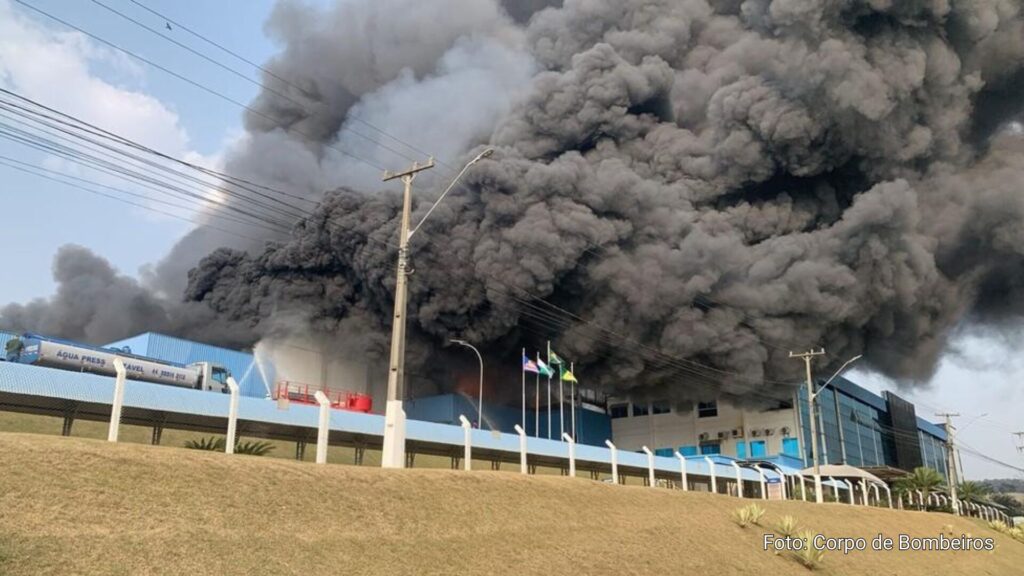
x=855, y=426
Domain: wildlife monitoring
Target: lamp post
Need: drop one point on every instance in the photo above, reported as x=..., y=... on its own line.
x=480, y=401
x=393, y=452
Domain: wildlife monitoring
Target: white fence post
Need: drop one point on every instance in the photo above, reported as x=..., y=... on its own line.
x=739, y=480
x=682, y=470
x=393, y=451
x=615, y=461
x=864, y=490
x=803, y=489
x=711, y=470
x=835, y=488
x=323, y=427
x=572, y=453
x=118, y=402
x=878, y=499
x=522, y=450
x=849, y=484
x=229, y=444
x=467, y=435
x=888, y=495
x=650, y=465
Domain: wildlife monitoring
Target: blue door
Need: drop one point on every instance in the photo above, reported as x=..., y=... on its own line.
x=791, y=447
x=741, y=449
x=757, y=449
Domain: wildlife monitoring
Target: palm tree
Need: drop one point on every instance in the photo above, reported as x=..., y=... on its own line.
x=925, y=479
x=972, y=491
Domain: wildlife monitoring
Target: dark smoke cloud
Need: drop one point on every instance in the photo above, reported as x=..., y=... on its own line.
x=721, y=181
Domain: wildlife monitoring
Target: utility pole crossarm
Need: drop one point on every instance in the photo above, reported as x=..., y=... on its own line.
x=410, y=173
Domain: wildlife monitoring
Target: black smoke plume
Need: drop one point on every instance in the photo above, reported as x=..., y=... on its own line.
x=681, y=193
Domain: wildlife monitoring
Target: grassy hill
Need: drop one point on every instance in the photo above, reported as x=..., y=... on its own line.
x=80, y=506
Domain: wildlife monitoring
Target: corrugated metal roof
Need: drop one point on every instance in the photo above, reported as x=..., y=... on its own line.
x=253, y=380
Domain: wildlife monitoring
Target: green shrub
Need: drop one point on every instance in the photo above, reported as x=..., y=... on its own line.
x=741, y=516
x=215, y=444
x=786, y=526
x=257, y=448
x=212, y=443
x=756, y=514
x=808, y=555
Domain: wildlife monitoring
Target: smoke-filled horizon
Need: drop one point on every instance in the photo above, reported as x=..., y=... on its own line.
x=707, y=185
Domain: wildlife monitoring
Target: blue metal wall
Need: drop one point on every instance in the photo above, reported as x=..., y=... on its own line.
x=251, y=379
x=594, y=428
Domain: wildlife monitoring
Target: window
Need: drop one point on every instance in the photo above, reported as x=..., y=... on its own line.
x=618, y=410
x=640, y=410
x=757, y=449
x=662, y=407
x=741, y=449
x=688, y=450
x=707, y=409
x=791, y=447
x=663, y=452
x=711, y=448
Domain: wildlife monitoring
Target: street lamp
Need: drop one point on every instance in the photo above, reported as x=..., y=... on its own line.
x=393, y=450
x=480, y=402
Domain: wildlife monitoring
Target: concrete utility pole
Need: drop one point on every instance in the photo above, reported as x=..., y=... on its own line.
x=393, y=453
x=807, y=356
x=951, y=462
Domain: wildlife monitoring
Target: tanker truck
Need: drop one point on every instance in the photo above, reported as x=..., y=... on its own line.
x=66, y=355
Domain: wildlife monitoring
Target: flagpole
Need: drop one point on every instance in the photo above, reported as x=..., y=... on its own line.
x=561, y=403
x=522, y=367
x=536, y=402
x=572, y=395
x=549, y=389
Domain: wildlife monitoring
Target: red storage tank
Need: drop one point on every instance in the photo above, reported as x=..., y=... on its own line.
x=362, y=403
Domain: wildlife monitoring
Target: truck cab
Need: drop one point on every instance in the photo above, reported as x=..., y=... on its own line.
x=214, y=377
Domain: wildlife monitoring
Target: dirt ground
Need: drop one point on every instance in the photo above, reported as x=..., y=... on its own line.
x=82, y=506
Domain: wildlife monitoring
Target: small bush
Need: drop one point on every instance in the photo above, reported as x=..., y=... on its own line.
x=254, y=448
x=786, y=526
x=741, y=516
x=999, y=526
x=212, y=444
x=215, y=444
x=808, y=555
x=756, y=514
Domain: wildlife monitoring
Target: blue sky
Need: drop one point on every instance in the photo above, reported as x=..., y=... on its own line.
x=56, y=66
x=43, y=215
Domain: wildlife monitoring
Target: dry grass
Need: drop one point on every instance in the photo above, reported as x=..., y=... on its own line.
x=76, y=506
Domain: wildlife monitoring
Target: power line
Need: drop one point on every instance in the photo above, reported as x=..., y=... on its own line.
x=267, y=71
x=78, y=124
x=129, y=202
x=194, y=83
x=241, y=75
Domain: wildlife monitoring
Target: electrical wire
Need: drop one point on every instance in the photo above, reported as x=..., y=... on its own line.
x=194, y=83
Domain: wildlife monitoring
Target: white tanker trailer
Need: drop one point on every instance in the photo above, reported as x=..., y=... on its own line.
x=65, y=355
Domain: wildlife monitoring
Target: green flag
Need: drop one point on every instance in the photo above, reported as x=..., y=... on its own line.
x=555, y=359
